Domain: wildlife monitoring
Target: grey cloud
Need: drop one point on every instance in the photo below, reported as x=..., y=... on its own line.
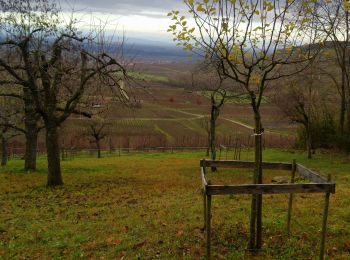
x=125, y=7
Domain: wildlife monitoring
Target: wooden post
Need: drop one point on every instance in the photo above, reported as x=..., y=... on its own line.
x=204, y=208
x=324, y=222
x=208, y=226
x=290, y=203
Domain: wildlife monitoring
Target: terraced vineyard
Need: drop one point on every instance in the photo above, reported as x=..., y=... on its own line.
x=169, y=116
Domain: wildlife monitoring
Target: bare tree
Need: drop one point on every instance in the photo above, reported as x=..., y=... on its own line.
x=58, y=65
x=30, y=126
x=97, y=132
x=302, y=100
x=333, y=19
x=251, y=43
x=24, y=17
x=6, y=135
x=297, y=104
x=10, y=116
x=208, y=82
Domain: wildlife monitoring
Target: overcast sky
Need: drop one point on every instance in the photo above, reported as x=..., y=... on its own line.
x=139, y=18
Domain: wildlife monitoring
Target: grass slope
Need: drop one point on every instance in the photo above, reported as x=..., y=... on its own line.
x=146, y=206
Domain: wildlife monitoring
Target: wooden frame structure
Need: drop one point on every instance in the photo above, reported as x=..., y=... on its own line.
x=318, y=184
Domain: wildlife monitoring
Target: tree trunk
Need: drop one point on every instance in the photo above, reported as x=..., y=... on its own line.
x=213, y=135
x=31, y=147
x=342, y=103
x=53, y=157
x=342, y=115
x=346, y=65
x=348, y=112
x=213, y=117
x=98, y=149
x=258, y=166
x=4, y=147
x=255, y=241
x=31, y=134
x=308, y=142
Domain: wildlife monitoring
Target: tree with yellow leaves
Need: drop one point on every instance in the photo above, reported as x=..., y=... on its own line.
x=251, y=43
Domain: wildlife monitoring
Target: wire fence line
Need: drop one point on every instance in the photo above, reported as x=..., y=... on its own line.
x=224, y=152
x=17, y=149
x=228, y=148
x=66, y=153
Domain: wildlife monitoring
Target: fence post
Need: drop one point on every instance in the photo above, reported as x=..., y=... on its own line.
x=205, y=209
x=240, y=150
x=290, y=203
x=208, y=219
x=324, y=222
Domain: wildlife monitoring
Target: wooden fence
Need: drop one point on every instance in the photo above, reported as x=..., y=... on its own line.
x=318, y=184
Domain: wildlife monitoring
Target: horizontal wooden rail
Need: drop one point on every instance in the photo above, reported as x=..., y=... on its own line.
x=245, y=164
x=270, y=188
x=310, y=175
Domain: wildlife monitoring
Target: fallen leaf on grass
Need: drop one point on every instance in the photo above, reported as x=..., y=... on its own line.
x=180, y=233
x=141, y=244
x=126, y=229
x=122, y=254
x=132, y=201
x=113, y=241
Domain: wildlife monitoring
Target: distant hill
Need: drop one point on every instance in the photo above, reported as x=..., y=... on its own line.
x=149, y=51
x=146, y=50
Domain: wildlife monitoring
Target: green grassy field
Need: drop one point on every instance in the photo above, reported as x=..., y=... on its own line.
x=145, y=206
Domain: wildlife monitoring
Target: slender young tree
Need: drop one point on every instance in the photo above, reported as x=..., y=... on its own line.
x=251, y=43
x=217, y=98
x=96, y=132
x=212, y=86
